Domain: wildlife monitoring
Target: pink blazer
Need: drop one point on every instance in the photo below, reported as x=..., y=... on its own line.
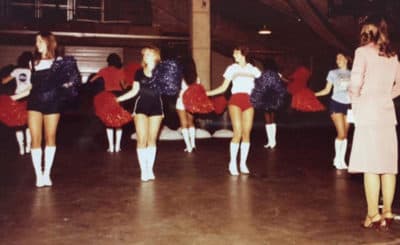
x=375, y=81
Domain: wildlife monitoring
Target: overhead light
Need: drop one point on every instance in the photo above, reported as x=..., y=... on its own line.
x=264, y=31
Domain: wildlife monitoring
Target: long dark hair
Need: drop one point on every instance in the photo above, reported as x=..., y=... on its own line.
x=25, y=59
x=189, y=70
x=378, y=35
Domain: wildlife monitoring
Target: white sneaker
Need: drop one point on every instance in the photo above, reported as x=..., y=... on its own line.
x=47, y=181
x=233, y=169
x=21, y=151
x=244, y=169
x=39, y=182
x=188, y=150
x=110, y=149
x=270, y=145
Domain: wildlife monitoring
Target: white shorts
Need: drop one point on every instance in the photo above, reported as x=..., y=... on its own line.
x=179, y=104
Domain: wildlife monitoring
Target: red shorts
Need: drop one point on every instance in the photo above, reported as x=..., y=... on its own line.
x=241, y=100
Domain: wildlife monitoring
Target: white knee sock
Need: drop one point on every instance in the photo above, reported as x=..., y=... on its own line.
x=151, y=157
x=28, y=140
x=192, y=135
x=110, y=137
x=20, y=139
x=244, y=152
x=36, y=155
x=343, y=148
x=49, y=153
x=142, y=159
x=185, y=133
x=234, y=149
x=271, y=134
x=118, y=136
x=336, y=160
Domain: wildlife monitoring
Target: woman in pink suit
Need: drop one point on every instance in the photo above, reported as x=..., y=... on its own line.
x=375, y=81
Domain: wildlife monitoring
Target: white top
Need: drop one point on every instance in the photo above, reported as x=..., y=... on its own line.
x=340, y=79
x=45, y=64
x=242, y=77
x=23, y=78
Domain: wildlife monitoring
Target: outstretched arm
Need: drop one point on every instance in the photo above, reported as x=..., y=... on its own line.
x=7, y=79
x=219, y=90
x=131, y=93
x=325, y=90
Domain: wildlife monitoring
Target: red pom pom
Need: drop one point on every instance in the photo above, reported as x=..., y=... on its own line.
x=109, y=110
x=306, y=101
x=220, y=104
x=12, y=113
x=196, y=100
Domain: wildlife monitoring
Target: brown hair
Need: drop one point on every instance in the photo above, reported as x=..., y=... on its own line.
x=375, y=30
x=51, y=44
x=243, y=49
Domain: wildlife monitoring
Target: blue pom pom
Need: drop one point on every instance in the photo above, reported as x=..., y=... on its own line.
x=269, y=92
x=167, y=77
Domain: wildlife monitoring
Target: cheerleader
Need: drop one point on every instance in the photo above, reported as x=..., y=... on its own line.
x=241, y=111
x=52, y=78
x=113, y=77
x=339, y=79
x=185, y=117
x=148, y=111
x=269, y=114
x=22, y=76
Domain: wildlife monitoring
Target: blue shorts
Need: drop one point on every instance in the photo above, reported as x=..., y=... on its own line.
x=337, y=107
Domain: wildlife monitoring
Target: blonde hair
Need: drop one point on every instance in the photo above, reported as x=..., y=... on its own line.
x=153, y=49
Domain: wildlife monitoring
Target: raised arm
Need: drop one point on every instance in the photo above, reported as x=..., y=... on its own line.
x=131, y=93
x=221, y=89
x=325, y=91
x=357, y=74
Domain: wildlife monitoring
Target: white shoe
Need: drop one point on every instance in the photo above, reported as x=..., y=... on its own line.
x=27, y=149
x=110, y=149
x=117, y=149
x=47, y=181
x=270, y=145
x=244, y=169
x=342, y=166
x=39, y=182
x=21, y=151
x=150, y=175
x=143, y=176
x=233, y=169
x=188, y=150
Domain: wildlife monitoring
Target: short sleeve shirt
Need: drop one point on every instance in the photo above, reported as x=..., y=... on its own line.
x=242, y=77
x=23, y=79
x=340, y=79
x=112, y=78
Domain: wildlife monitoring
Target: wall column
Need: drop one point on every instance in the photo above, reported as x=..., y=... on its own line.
x=201, y=39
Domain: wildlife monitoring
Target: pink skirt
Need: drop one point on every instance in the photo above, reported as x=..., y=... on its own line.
x=374, y=150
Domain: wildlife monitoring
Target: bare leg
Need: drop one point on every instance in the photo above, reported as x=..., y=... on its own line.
x=388, y=190
x=372, y=189
x=235, y=114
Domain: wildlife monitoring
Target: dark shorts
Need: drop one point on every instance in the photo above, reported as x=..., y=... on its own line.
x=241, y=100
x=35, y=103
x=337, y=107
x=149, y=106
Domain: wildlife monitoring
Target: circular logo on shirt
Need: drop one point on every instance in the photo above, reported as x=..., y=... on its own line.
x=22, y=78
